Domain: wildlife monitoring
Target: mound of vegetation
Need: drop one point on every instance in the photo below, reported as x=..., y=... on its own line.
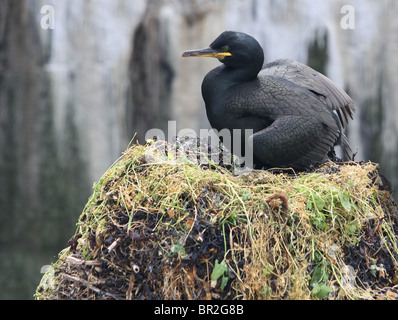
x=160, y=226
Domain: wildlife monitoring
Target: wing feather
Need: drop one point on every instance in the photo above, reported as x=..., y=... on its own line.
x=304, y=76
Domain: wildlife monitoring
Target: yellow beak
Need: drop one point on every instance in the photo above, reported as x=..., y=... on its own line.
x=206, y=52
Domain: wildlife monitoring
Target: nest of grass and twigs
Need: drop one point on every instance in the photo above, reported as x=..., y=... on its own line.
x=160, y=226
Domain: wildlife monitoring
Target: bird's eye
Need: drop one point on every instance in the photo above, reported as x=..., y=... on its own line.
x=225, y=49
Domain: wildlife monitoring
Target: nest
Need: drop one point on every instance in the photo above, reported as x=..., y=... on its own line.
x=160, y=226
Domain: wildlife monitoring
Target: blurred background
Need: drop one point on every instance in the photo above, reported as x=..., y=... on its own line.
x=79, y=78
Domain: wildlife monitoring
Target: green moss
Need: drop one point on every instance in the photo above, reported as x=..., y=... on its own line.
x=158, y=227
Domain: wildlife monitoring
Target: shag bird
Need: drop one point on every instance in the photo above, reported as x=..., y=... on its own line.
x=297, y=114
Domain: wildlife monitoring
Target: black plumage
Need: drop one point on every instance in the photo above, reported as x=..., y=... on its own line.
x=297, y=114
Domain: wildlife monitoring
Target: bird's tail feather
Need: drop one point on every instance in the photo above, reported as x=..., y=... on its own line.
x=346, y=148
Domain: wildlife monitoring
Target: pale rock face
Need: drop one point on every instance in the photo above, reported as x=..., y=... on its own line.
x=92, y=62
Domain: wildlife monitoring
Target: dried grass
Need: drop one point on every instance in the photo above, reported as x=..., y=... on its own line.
x=160, y=227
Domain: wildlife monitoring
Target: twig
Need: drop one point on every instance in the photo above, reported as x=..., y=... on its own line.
x=113, y=245
x=77, y=261
x=89, y=285
x=129, y=294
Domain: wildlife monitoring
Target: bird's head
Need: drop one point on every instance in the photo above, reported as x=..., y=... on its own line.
x=235, y=49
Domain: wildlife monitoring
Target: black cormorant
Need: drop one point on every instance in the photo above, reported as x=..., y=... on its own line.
x=296, y=113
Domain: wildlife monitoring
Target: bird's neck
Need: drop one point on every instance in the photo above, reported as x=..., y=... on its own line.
x=222, y=78
x=238, y=75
